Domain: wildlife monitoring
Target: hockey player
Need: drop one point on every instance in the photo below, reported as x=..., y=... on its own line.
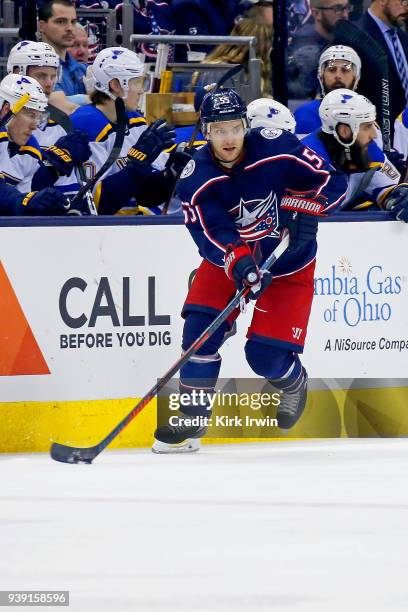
x=39, y=61
x=238, y=192
x=346, y=140
x=339, y=67
x=265, y=112
x=20, y=153
x=118, y=72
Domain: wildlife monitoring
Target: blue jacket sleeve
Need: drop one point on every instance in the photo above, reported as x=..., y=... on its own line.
x=312, y=176
x=206, y=218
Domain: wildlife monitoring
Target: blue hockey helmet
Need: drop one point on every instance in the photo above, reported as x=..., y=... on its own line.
x=222, y=105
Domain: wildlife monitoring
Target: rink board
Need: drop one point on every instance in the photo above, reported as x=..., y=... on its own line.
x=89, y=318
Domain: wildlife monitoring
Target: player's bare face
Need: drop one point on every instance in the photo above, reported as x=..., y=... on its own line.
x=45, y=75
x=227, y=140
x=338, y=73
x=136, y=88
x=366, y=134
x=23, y=125
x=59, y=29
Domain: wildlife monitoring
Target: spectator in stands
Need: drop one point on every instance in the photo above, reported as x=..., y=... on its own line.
x=383, y=22
x=97, y=4
x=150, y=17
x=56, y=22
x=298, y=14
x=239, y=54
x=309, y=41
x=339, y=67
x=205, y=17
x=261, y=10
x=80, y=49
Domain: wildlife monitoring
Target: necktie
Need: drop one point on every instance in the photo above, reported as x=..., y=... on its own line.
x=400, y=62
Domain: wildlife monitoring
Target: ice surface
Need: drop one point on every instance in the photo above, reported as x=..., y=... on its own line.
x=305, y=526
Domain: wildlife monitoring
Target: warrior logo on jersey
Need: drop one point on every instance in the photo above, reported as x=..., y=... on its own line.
x=189, y=169
x=257, y=219
x=271, y=133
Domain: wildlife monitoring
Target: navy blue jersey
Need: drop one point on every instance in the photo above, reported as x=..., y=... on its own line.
x=221, y=206
x=307, y=117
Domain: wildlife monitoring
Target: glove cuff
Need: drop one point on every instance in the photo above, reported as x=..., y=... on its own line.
x=233, y=253
x=26, y=201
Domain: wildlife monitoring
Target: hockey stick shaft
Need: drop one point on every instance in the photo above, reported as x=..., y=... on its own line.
x=368, y=48
x=114, y=153
x=16, y=108
x=65, y=122
x=68, y=454
x=226, y=77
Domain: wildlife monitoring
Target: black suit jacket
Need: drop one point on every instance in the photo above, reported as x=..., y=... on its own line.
x=369, y=84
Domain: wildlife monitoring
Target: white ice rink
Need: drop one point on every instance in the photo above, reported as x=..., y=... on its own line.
x=304, y=526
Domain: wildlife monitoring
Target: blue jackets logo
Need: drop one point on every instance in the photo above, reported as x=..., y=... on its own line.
x=256, y=218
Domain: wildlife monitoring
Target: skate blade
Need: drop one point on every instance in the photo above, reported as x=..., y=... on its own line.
x=191, y=445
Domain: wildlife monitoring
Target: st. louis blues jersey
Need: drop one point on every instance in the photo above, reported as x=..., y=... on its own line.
x=102, y=136
x=18, y=164
x=401, y=133
x=124, y=197
x=221, y=206
x=386, y=176
x=46, y=136
x=307, y=117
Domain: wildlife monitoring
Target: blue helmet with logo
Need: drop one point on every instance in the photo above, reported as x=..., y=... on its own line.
x=222, y=105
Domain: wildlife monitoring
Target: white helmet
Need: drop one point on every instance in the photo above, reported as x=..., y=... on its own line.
x=89, y=80
x=339, y=52
x=15, y=86
x=115, y=63
x=27, y=53
x=265, y=112
x=345, y=106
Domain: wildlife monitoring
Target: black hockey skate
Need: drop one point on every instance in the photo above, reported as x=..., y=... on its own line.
x=181, y=438
x=293, y=402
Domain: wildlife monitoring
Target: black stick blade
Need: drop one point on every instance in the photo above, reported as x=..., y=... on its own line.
x=71, y=454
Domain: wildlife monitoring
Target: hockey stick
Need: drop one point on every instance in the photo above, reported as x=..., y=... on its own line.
x=72, y=454
x=16, y=108
x=121, y=123
x=65, y=122
x=347, y=33
x=359, y=188
x=226, y=77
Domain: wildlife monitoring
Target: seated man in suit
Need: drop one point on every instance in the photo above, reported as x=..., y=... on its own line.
x=383, y=21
